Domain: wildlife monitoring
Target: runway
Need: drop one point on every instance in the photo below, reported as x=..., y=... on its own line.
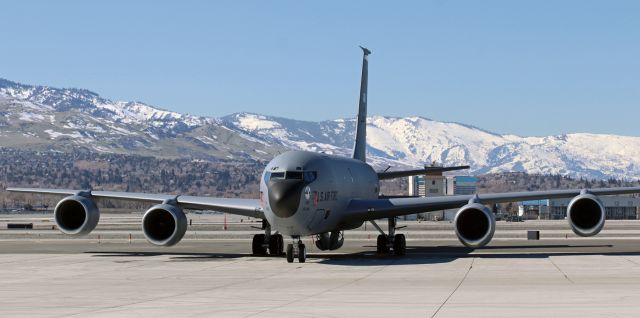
x=218, y=278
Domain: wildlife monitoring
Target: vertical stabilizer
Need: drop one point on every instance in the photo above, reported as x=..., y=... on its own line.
x=360, y=147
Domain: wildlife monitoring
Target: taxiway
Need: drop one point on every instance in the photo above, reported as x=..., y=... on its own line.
x=512, y=277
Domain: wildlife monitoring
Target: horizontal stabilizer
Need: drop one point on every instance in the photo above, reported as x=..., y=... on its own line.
x=426, y=170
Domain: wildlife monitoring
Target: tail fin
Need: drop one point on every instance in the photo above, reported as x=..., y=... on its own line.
x=360, y=147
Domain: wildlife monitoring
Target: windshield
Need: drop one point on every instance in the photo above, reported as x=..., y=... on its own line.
x=307, y=176
x=294, y=175
x=277, y=175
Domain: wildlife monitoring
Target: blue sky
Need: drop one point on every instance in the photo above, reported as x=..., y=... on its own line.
x=521, y=67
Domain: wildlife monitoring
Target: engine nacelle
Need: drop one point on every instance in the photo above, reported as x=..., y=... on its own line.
x=333, y=241
x=586, y=215
x=164, y=224
x=474, y=224
x=76, y=215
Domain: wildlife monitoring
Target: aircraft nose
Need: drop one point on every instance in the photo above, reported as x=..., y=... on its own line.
x=284, y=196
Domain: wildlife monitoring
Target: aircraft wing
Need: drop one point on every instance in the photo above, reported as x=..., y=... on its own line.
x=365, y=210
x=245, y=207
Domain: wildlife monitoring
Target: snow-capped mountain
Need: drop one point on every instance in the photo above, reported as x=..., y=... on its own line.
x=64, y=119
x=417, y=141
x=48, y=118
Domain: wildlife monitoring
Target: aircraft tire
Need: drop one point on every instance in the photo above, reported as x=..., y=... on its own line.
x=276, y=245
x=256, y=245
x=399, y=245
x=302, y=253
x=289, y=253
x=381, y=247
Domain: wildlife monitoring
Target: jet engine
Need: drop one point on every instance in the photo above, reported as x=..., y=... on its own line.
x=164, y=224
x=333, y=241
x=586, y=215
x=76, y=215
x=474, y=224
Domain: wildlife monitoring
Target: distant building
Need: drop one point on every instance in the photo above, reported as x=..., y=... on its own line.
x=439, y=185
x=427, y=186
x=461, y=185
x=417, y=186
x=616, y=208
x=534, y=209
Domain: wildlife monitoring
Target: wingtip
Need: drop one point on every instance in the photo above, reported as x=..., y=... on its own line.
x=365, y=50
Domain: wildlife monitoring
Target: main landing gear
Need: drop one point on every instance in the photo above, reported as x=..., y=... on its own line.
x=274, y=243
x=296, y=250
x=391, y=242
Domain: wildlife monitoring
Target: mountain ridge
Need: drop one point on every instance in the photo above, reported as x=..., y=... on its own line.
x=47, y=118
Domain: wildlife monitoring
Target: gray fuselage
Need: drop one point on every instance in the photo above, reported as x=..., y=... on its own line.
x=304, y=193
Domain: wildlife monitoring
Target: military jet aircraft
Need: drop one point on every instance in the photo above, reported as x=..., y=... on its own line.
x=305, y=193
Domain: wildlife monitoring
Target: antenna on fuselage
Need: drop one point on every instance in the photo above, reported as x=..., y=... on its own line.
x=360, y=147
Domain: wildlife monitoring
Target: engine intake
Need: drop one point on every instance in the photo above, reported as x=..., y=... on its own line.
x=76, y=215
x=474, y=224
x=586, y=215
x=164, y=224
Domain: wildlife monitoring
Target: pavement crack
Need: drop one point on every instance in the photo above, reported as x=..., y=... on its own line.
x=102, y=309
x=455, y=289
x=323, y=291
x=560, y=270
x=630, y=261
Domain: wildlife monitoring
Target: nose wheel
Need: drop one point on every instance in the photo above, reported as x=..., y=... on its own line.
x=296, y=250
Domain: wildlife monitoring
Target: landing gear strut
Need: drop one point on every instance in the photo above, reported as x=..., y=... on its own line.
x=387, y=242
x=273, y=242
x=296, y=249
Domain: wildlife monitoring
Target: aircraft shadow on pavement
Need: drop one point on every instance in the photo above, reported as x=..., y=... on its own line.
x=444, y=254
x=174, y=256
x=416, y=255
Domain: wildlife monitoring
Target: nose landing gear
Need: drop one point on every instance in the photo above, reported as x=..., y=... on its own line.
x=296, y=249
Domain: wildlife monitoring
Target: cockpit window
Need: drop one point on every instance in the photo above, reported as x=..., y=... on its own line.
x=277, y=175
x=267, y=176
x=294, y=175
x=307, y=176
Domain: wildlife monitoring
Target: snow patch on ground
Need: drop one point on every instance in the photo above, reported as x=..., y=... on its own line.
x=134, y=112
x=32, y=117
x=207, y=140
x=255, y=122
x=55, y=134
